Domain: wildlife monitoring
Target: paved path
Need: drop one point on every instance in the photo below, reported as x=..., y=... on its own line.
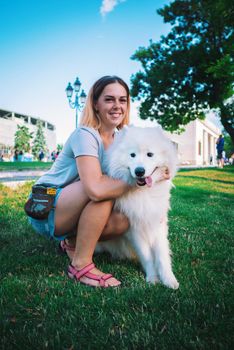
x=14, y=178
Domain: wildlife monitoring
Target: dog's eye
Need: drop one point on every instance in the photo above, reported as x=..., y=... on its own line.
x=132, y=155
x=150, y=154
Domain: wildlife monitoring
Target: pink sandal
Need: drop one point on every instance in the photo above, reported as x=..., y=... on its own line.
x=64, y=247
x=75, y=274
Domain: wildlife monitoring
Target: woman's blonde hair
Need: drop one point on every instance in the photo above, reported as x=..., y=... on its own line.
x=89, y=116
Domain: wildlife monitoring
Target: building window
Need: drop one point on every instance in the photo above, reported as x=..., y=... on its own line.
x=33, y=121
x=50, y=126
x=199, y=148
x=175, y=144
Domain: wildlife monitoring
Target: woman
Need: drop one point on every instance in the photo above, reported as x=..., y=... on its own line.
x=85, y=198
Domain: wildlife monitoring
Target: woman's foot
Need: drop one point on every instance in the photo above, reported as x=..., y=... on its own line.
x=67, y=247
x=91, y=276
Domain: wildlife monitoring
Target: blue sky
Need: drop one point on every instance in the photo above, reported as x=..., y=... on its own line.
x=47, y=43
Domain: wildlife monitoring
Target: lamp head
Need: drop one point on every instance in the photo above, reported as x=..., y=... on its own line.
x=69, y=91
x=82, y=97
x=77, y=85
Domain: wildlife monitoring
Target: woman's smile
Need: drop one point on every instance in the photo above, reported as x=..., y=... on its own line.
x=116, y=115
x=112, y=105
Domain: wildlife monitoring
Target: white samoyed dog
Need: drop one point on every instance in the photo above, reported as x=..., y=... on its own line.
x=141, y=155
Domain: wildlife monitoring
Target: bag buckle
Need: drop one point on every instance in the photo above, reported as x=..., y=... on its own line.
x=52, y=191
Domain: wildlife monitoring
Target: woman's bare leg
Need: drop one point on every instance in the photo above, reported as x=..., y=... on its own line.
x=74, y=206
x=117, y=225
x=71, y=202
x=90, y=227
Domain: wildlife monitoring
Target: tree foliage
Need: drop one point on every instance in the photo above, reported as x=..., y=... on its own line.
x=228, y=146
x=22, y=138
x=192, y=68
x=59, y=147
x=39, y=142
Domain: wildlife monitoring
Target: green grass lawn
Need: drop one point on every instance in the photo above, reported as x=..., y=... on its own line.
x=18, y=166
x=42, y=309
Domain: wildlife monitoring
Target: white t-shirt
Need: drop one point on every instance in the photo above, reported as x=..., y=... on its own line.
x=83, y=141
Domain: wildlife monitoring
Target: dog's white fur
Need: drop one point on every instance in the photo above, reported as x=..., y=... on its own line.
x=146, y=207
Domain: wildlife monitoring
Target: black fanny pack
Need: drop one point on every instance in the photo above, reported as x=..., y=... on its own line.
x=41, y=201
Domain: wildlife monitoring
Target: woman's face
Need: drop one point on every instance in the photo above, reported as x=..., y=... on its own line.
x=112, y=105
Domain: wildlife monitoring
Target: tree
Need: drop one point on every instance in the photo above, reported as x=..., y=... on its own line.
x=22, y=138
x=191, y=69
x=39, y=142
x=228, y=146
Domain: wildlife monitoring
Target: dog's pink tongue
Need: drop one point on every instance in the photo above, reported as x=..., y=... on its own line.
x=148, y=181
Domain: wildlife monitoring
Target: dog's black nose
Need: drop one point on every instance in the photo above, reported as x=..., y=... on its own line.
x=140, y=171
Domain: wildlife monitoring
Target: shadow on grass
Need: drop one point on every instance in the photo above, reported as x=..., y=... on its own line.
x=228, y=168
x=206, y=179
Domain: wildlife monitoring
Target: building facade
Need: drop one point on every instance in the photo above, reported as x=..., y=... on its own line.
x=197, y=144
x=8, y=127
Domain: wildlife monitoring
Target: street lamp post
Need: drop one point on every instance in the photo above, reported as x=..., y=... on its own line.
x=79, y=100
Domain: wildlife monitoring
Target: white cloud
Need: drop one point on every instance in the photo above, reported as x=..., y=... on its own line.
x=108, y=6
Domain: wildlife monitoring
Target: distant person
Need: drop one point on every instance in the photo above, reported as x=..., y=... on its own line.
x=57, y=154
x=220, y=147
x=20, y=156
x=41, y=155
x=28, y=157
x=47, y=156
x=53, y=156
x=16, y=155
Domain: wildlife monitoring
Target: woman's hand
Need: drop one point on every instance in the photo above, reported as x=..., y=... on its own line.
x=161, y=174
x=166, y=174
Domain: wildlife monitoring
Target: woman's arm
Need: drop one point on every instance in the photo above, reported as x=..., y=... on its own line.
x=98, y=186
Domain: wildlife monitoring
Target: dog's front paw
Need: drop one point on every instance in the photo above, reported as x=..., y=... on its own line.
x=152, y=279
x=171, y=282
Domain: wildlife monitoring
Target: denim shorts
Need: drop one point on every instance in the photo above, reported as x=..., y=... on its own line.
x=46, y=227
